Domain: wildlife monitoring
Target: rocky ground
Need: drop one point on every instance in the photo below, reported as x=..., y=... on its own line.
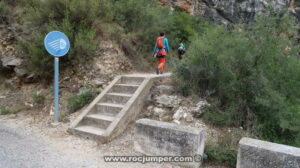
x=58, y=146
x=164, y=104
x=31, y=140
x=34, y=126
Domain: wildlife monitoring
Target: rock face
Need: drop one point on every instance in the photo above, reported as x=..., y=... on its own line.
x=232, y=11
x=262, y=154
x=10, y=58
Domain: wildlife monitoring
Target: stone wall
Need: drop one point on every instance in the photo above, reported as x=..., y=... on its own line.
x=156, y=138
x=261, y=154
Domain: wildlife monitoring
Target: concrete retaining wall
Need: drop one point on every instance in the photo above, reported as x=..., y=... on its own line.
x=155, y=138
x=261, y=154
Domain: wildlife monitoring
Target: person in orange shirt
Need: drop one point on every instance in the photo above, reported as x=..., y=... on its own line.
x=161, y=49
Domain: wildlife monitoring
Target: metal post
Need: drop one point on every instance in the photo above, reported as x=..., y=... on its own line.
x=56, y=90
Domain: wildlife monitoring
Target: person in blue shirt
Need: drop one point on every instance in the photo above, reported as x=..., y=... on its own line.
x=181, y=50
x=161, y=49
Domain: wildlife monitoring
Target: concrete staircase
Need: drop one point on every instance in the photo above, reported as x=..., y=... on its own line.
x=118, y=104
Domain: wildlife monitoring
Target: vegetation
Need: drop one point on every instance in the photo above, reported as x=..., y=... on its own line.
x=249, y=72
x=251, y=75
x=225, y=149
x=85, y=96
x=83, y=21
x=5, y=111
x=4, y=11
x=74, y=18
x=38, y=98
x=143, y=19
x=222, y=153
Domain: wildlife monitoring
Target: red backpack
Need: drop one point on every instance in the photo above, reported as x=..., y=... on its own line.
x=160, y=42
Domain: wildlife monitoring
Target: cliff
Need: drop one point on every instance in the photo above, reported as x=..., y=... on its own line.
x=233, y=11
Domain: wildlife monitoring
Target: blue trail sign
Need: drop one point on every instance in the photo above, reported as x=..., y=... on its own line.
x=57, y=44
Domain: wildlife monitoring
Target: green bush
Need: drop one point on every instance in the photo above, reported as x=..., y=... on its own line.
x=5, y=111
x=225, y=149
x=74, y=18
x=11, y=2
x=252, y=75
x=81, y=21
x=221, y=153
x=182, y=73
x=136, y=14
x=85, y=96
x=38, y=98
x=4, y=11
x=144, y=19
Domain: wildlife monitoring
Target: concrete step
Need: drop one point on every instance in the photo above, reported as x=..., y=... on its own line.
x=114, y=105
x=100, y=117
x=108, y=109
x=131, y=80
x=97, y=122
x=124, y=88
x=120, y=94
x=129, y=85
x=111, y=111
x=89, y=132
x=115, y=98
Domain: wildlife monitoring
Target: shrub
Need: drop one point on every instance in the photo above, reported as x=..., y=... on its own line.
x=136, y=14
x=11, y=2
x=5, y=111
x=74, y=18
x=252, y=74
x=181, y=73
x=225, y=149
x=40, y=62
x=221, y=153
x=144, y=19
x=4, y=11
x=85, y=96
x=38, y=98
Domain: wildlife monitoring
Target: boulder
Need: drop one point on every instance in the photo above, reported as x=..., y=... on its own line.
x=158, y=112
x=179, y=113
x=165, y=89
x=97, y=82
x=149, y=108
x=168, y=101
x=199, y=109
x=11, y=61
x=188, y=117
x=20, y=72
x=183, y=113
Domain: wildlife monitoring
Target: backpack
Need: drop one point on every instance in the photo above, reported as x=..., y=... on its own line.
x=160, y=43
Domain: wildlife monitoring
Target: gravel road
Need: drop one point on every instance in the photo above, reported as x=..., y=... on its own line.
x=30, y=142
x=20, y=150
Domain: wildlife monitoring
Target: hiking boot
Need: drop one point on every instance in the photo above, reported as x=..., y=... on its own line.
x=161, y=72
x=157, y=71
